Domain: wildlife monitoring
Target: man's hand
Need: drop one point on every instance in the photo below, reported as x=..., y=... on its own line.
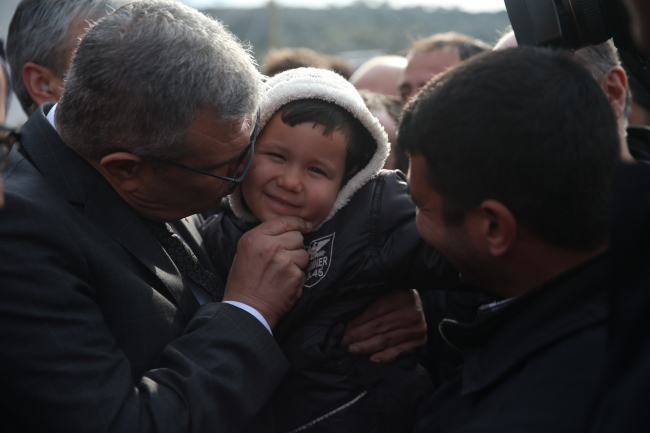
x=392, y=326
x=267, y=273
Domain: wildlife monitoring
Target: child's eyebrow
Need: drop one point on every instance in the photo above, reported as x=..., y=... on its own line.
x=326, y=164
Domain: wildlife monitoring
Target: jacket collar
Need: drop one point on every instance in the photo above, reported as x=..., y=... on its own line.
x=501, y=340
x=79, y=182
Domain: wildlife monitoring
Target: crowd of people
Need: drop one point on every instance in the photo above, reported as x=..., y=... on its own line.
x=451, y=241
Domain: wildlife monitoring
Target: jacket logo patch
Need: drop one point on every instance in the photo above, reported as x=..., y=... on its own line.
x=320, y=259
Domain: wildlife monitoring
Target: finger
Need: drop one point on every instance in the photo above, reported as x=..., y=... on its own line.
x=299, y=257
x=289, y=241
x=283, y=224
x=398, y=319
x=387, y=304
x=376, y=310
x=400, y=338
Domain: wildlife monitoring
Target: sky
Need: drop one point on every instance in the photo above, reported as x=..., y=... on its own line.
x=466, y=5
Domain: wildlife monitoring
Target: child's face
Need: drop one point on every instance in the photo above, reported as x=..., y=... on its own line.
x=296, y=171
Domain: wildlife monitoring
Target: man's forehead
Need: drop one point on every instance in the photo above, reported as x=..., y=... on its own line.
x=429, y=63
x=228, y=137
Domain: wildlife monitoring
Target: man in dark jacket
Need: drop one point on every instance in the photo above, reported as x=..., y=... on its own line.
x=512, y=183
x=109, y=320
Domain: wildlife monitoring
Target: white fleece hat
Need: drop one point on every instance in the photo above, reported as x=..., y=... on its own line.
x=313, y=83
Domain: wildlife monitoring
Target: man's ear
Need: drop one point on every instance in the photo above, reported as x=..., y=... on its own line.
x=41, y=83
x=615, y=87
x=123, y=170
x=499, y=227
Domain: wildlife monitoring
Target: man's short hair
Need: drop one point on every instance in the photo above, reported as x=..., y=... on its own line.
x=142, y=74
x=285, y=59
x=40, y=32
x=528, y=127
x=466, y=46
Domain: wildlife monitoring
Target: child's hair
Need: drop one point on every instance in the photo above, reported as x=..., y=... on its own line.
x=361, y=145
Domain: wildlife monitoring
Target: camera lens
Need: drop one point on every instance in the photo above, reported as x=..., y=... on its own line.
x=566, y=23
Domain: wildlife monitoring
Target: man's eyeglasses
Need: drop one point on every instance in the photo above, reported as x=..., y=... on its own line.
x=242, y=160
x=9, y=141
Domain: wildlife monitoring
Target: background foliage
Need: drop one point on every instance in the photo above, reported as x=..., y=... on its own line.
x=354, y=28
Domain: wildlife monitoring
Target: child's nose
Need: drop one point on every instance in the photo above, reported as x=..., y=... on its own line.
x=291, y=180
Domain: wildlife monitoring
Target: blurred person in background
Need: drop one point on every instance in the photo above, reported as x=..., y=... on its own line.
x=435, y=54
x=42, y=37
x=7, y=138
x=5, y=84
x=281, y=60
x=387, y=110
x=639, y=13
x=380, y=75
x=640, y=112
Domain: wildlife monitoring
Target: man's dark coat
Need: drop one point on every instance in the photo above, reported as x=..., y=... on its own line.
x=98, y=331
x=532, y=366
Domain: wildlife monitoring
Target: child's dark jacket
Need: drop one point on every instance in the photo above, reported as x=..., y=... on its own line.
x=368, y=248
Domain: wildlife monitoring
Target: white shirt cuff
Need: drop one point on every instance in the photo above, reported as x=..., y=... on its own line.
x=252, y=311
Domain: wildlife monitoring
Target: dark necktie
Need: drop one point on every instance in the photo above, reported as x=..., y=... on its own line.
x=186, y=261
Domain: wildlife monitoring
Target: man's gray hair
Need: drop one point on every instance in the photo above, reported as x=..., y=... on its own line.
x=599, y=60
x=40, y=32
x=142, y=74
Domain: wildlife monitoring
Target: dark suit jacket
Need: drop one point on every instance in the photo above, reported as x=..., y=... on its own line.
x=98, y=332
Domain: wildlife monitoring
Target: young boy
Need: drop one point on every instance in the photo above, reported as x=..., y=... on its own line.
x=319, y=156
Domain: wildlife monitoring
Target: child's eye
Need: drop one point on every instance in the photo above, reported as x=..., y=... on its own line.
x=277, y=156
x=317, y=171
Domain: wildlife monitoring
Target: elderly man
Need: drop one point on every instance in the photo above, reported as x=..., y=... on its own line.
x=433, y=55
x=42, y=37
x=108, y=322
x=521, y=211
